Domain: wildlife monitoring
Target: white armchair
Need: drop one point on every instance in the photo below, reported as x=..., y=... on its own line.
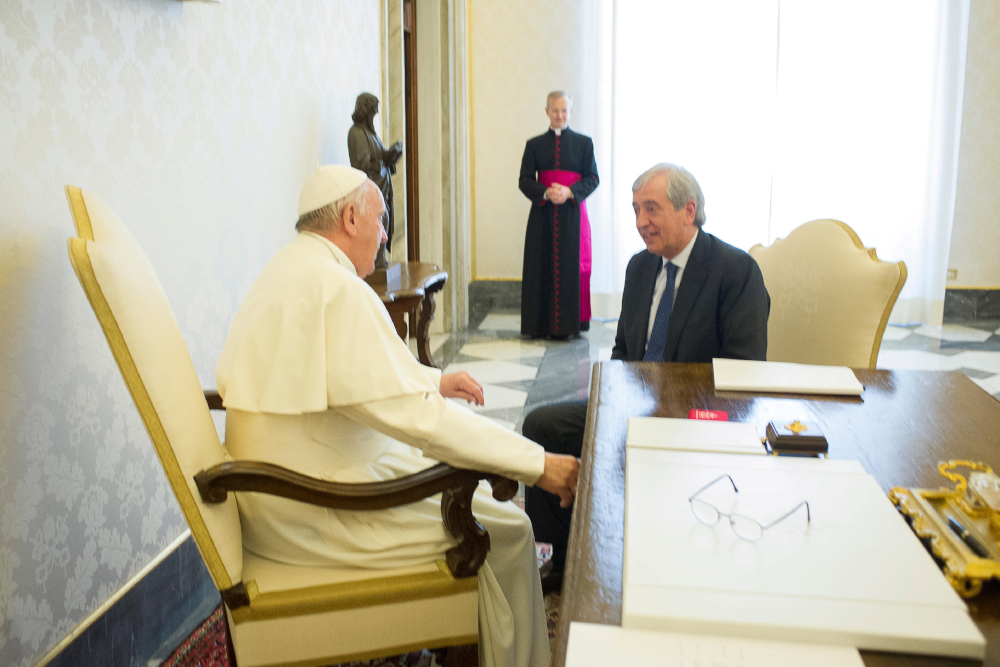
x=830, y=296
x=277, y=614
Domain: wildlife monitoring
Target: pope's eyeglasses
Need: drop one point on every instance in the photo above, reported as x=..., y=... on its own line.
x=744, y=527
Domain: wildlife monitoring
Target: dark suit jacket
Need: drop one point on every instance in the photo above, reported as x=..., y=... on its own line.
x=720, y=310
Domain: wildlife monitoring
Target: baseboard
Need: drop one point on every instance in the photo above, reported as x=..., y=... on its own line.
x=486, y=296
x=971, y=303
x=139, y=624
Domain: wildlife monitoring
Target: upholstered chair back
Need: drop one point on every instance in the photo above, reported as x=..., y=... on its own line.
x=830, y=296
x=143, y=335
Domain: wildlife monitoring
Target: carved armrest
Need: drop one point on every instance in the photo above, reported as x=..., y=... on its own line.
x=455, y=484
x=213, y=399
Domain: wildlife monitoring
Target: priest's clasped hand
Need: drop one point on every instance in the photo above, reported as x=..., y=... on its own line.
x=558, y=193
x=461, y=385
x=560, y=477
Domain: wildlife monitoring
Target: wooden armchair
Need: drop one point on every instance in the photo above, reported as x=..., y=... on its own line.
x=277, y=614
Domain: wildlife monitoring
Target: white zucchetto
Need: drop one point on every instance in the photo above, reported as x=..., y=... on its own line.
x=329, y=183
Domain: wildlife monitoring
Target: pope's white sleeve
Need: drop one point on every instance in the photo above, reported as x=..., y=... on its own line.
x=453, y=434
x=433, y=374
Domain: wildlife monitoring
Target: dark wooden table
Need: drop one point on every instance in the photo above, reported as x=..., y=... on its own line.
x=419, y=282
x=905, y=424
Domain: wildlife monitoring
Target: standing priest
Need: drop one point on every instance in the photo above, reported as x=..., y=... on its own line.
x=558, y=173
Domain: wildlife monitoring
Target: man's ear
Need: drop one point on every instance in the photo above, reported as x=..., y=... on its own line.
x=690, y=210
x=349, y=220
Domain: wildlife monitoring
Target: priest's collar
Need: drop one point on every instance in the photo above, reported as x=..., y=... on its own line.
x=558, y=130
x=337, y=253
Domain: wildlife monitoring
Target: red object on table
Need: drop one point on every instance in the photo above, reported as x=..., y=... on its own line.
x=714, y=415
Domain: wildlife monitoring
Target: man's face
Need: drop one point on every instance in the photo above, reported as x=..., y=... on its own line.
x=371, y=233
x=558, y=110
x=664, y=230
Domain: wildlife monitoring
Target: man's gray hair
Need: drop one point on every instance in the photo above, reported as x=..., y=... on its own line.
x=555, y=94
x=682, y=187
x=326, y=218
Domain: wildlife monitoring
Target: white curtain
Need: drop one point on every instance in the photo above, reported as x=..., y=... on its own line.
x=792, y=110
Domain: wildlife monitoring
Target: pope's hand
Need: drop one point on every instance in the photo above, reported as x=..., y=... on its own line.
x=461, y=385
x=560, y=476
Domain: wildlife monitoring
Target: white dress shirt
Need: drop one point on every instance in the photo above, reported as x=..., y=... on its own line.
x=680, y=261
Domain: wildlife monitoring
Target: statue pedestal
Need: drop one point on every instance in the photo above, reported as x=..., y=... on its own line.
x=388, y=279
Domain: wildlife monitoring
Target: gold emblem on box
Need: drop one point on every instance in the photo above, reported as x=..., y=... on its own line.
x=962, y=523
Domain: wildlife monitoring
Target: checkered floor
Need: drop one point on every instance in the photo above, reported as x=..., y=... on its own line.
x=519, y=375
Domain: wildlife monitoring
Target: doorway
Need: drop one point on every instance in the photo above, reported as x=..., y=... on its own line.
x=410, y=149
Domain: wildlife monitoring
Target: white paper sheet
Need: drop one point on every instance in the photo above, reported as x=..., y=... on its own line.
x=592, y=645
x=855, y=575
x=784, y=378
x=693, y=435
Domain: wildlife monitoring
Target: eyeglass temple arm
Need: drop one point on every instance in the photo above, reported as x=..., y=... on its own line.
x=693, y=495
x=791, y=512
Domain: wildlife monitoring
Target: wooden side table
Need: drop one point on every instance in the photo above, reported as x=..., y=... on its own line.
x=418, y=284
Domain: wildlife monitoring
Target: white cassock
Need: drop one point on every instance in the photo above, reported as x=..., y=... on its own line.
x=314, y=378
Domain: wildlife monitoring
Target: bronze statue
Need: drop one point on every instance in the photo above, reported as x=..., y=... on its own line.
x=368, y=155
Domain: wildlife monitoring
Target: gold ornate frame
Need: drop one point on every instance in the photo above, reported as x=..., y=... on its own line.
x=928, y=510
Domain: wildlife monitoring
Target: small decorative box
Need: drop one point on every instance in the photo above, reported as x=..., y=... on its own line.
x=796, y=437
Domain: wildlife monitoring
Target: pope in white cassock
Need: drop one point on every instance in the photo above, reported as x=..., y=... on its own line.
x=314, y=378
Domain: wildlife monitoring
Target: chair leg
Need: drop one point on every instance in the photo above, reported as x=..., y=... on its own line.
x=462, y=656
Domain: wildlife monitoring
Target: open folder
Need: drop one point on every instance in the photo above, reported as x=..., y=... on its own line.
x=784, y=378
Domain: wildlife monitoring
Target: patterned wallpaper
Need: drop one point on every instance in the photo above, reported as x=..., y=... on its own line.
x=197, y=123
x=975, y=237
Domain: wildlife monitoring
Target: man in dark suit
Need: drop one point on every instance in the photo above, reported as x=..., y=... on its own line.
x=688, y=297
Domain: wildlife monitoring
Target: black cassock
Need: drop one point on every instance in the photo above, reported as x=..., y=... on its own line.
x=550, y=278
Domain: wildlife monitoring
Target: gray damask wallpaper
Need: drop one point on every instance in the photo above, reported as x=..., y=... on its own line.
x=197, y=123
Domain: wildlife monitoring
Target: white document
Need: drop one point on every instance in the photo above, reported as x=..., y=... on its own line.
x=592, y=645
x=784, y=378
x=854, y=575
x=699, y=435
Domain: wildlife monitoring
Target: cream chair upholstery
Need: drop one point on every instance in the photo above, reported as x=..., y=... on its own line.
x=830, y=296
x=277, y=614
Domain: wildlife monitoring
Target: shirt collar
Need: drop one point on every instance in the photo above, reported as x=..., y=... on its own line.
x=558, y=132
x=681, y=259
x=337, y=253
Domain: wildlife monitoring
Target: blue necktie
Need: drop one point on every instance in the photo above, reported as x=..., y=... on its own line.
x=658, y=339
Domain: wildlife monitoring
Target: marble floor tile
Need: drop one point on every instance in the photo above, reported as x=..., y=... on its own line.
x=437, y=340
x=503, y=349
x=916, y=360
x=974, y=374
x=523, y=385
x=893, y=332
x=991, y=384
x=437, y=343
x=981, y=361
x=494, y=372
x=954, y=333
x=501, y=322
x=604, y=354
x=498, y=398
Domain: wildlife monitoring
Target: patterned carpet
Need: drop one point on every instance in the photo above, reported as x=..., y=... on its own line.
x=206, y=647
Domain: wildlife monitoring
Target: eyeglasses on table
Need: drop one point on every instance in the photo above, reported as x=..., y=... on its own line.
x=744, y=527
